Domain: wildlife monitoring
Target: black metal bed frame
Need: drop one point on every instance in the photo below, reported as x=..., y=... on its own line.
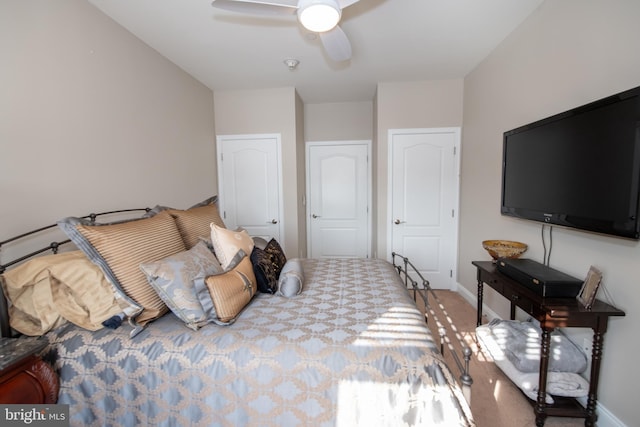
x=5, y=328
x=463, y=361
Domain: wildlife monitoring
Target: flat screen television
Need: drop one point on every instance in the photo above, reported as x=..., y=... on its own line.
x=578, y=169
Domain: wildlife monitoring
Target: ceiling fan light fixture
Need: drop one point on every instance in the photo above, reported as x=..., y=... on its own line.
x=319, y=15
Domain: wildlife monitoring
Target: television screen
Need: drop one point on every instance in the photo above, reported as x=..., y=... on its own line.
x=579, y=169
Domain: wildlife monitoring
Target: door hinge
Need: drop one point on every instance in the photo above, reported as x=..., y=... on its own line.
x=450, y=273
x=455, y=150
x=453, y=213
x=224, y=214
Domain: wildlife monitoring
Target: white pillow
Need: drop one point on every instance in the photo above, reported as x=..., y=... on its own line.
x=227, y=243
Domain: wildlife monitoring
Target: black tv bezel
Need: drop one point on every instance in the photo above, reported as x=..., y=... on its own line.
x=629, y=229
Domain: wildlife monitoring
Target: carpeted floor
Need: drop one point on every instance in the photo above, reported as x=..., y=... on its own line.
x=495, y=401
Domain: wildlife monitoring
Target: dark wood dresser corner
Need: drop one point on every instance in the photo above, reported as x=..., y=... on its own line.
x=24, y=377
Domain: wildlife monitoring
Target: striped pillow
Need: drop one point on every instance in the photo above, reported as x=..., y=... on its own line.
x=195, y=222
x=120, y=248
x=223, y=296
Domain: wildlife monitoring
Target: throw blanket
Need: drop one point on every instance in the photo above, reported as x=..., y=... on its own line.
x=567, y=384
x=520, y=342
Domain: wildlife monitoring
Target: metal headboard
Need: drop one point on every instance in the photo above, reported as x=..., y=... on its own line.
x=5, y=328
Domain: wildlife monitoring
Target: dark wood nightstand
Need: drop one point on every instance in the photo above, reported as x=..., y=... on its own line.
x=24, y=376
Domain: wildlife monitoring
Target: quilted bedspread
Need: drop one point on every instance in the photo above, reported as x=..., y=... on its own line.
x=352, y=349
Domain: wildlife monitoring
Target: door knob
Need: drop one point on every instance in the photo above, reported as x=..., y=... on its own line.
x=397, y=221
x=315, y=216
x=274, y=221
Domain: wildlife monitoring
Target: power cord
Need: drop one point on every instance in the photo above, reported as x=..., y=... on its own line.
x=607, y=295
x=546, y=257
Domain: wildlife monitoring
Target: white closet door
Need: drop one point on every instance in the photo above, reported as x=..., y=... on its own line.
x=249, y=173
x=423, y=201
x=338, y=192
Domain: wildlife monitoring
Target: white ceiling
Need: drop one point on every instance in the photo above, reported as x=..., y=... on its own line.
x=392, y=41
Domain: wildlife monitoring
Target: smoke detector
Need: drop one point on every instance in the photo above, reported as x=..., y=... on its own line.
x=291, y=63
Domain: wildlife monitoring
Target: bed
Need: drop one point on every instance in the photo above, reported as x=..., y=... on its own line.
x=347, y=346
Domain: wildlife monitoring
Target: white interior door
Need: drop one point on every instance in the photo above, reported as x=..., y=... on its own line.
x=423, y=165
x=338, y=194
x=250, y=187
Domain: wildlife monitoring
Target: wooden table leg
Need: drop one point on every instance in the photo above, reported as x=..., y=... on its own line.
x=480, y=292
x=596, y=357
x=541, y=403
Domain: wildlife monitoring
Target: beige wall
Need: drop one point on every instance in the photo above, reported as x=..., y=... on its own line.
x=566, y=54
x=408, y=105
x=347, y=121
x=92, y=119
x=268, y=111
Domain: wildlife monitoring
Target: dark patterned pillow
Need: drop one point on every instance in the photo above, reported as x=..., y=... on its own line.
x=279, y=259
x=267, y=264
x=266, y=277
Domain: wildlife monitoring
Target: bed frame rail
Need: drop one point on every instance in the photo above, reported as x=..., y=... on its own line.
x=406, y=269
x=5, y=328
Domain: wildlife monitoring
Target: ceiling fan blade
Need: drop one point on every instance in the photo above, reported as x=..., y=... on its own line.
x=336, y=44
x=255, y=7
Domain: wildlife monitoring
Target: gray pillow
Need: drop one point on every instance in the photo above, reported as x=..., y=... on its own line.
x=173, y=279
x=291, y=279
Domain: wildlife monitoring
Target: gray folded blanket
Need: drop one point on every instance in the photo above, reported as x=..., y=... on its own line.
x=520, y=342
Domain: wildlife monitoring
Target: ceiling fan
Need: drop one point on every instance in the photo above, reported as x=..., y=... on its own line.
x=318, y=16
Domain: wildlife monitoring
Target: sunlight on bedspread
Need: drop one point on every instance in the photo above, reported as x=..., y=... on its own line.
x=398, y=326
x=430, y=406
x=335, y=355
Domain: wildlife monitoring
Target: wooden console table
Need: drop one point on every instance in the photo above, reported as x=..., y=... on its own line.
x=552, y=313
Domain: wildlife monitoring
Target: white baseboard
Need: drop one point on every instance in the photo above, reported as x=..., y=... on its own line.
x=605, y=417
x=473, y=300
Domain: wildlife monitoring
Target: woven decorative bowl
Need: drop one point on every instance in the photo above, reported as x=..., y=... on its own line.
x=504, y=248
